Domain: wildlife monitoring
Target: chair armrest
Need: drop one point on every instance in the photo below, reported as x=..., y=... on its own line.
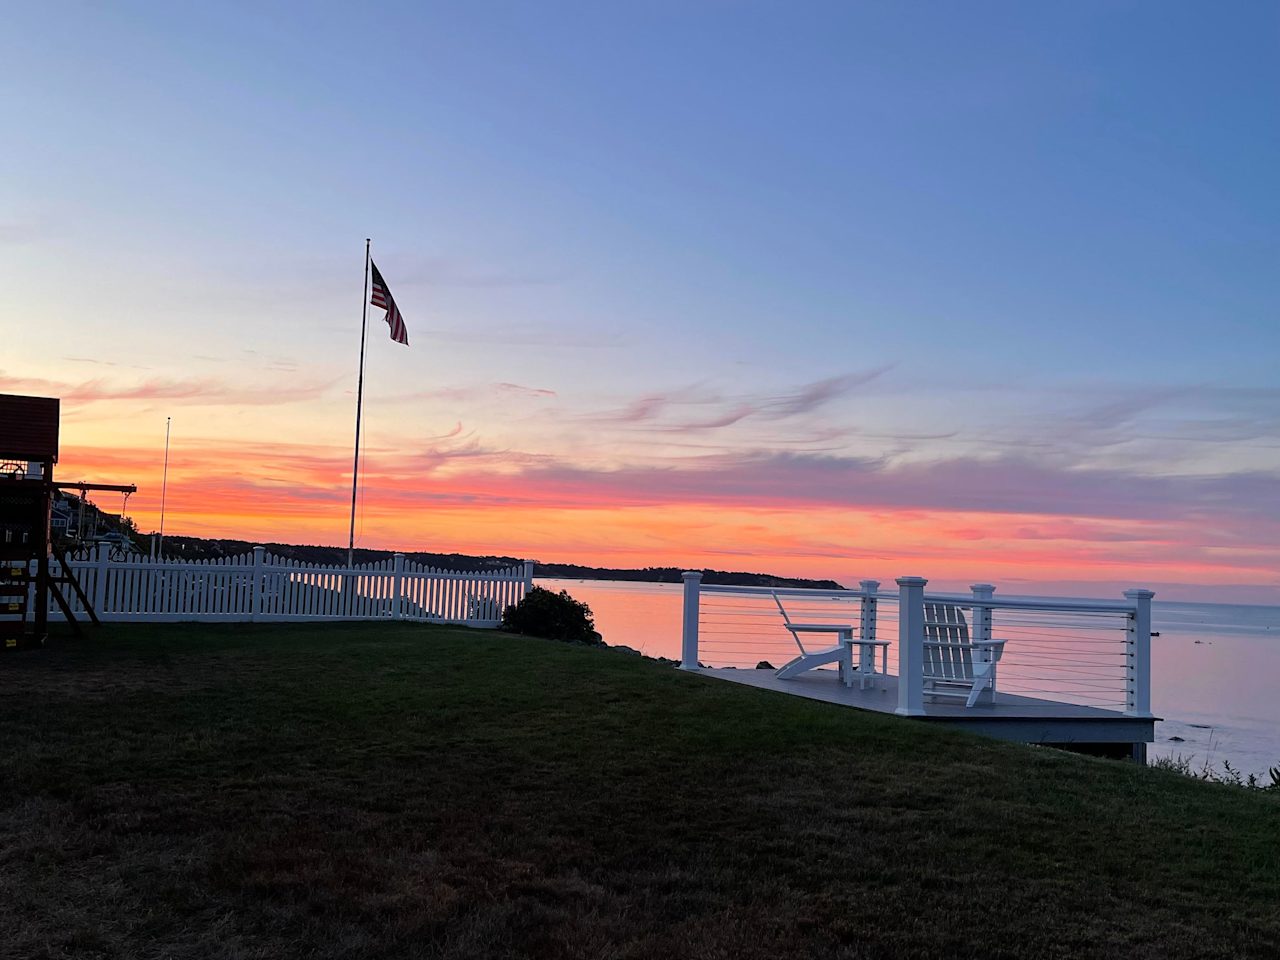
x=995, y=647
x=819, y=627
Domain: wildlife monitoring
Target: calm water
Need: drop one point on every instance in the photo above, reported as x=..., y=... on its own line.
x=1214, y=666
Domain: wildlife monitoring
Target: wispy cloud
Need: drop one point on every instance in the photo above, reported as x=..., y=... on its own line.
x=206, y=390
x=105, y=363
x=478, y=391
x=726, y=419
x=819, y=393
x=524, y=391
x=637, y=411
x=662, y=411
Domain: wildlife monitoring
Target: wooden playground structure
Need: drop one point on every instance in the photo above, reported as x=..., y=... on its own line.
x=28, y=452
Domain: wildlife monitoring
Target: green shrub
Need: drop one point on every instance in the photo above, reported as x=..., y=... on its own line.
x=556, y=616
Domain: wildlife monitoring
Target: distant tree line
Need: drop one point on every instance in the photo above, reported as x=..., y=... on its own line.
x=571, y=571
x=200, y=548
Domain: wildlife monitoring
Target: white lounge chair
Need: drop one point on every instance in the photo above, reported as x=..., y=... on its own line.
x=841, y=654
x=950, y=668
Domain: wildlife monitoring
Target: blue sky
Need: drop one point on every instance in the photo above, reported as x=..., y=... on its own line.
x=999, y=229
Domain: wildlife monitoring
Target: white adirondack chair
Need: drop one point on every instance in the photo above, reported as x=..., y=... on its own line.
x=950, y=668
x=841, y=654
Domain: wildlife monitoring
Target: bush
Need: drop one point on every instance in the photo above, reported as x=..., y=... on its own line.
x=1229, y=775
x=556, y=616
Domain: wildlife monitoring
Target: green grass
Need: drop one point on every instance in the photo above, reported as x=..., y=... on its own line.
x=402, y=791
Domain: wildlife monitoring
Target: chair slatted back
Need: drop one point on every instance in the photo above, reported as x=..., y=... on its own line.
x=787, y=620
x=944, y=624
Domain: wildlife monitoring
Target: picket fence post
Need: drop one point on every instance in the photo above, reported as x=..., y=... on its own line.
x=397, y=584
x=255, y=585
x=102, y=565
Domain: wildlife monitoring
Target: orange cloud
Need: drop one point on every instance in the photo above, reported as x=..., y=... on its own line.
x=801, y=516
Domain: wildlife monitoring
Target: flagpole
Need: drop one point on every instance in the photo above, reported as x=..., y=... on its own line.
x=355, y=469
x=164, y=486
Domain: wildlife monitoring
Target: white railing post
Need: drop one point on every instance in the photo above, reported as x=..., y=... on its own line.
x=101, y=564
x=911, y=646
x=397, y=584
x=689, y=642
x=255, y=585
x=982, y=630
x=867, y=625
x=528, y=575
x=1138, y=685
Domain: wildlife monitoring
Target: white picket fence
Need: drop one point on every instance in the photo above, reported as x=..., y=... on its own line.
x=260, y=587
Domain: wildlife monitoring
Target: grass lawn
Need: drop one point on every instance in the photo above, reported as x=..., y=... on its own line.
x=394, y=790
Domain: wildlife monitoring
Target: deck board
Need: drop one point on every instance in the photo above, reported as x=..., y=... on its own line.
x=1010, y=717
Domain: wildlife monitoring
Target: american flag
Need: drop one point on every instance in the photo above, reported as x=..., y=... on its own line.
x=381, y=298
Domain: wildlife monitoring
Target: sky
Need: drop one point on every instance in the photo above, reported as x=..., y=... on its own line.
x=970, y=291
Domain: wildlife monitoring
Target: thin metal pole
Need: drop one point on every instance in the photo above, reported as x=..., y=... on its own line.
x=355, y=468
x=164, y=486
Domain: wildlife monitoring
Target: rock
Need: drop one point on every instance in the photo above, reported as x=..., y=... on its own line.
x=765, y=665
x=621, y=649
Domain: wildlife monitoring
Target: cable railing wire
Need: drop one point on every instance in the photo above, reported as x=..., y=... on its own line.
x=1076, y=656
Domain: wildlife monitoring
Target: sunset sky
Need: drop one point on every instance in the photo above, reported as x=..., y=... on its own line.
x=960, y=290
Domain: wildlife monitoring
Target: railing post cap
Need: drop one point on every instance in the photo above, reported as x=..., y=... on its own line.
x=691, y=575
x=982, y=587
x=869, y=585
x=1139, y=594
x=911, y=581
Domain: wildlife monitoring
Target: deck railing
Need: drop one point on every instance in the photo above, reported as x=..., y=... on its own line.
x=1088, y=652
x=258, y=586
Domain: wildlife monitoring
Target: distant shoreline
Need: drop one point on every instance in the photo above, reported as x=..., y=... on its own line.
x=202, y=548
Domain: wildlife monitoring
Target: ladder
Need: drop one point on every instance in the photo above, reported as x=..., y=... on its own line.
x=15, y=588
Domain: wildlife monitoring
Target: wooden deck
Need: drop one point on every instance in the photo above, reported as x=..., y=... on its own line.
x=1010, y=717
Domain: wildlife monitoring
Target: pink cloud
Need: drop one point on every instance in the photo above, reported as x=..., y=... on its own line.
x=201, y=391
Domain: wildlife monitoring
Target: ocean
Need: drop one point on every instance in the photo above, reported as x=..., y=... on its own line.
x=1214, y=668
